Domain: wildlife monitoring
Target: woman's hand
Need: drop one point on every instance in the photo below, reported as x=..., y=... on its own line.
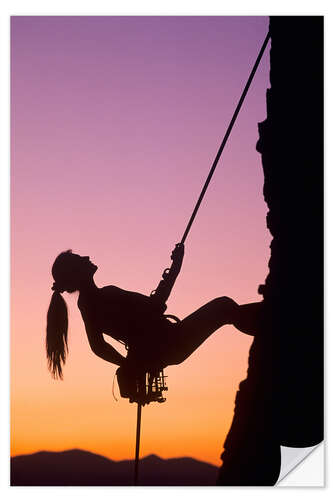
x=178, y=253
x=169, y=276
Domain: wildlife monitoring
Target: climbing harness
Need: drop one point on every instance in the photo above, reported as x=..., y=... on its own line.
x=150, y=386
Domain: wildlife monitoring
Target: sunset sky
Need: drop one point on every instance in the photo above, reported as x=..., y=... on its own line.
x=115, y=122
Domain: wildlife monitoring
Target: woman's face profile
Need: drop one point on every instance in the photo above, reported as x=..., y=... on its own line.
x=82, y=264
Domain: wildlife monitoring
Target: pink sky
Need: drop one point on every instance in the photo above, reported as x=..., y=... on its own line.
x=115, y=124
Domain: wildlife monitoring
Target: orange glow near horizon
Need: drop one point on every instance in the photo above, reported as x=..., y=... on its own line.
x=81, y=412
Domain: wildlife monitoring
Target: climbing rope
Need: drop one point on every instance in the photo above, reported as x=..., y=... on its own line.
x=189, y=225
x=225, y=138
x=137, y=445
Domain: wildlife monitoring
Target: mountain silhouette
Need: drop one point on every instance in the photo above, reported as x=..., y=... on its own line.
x=82, y=468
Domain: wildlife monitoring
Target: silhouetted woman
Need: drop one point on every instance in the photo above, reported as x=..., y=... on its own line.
x=134, y=319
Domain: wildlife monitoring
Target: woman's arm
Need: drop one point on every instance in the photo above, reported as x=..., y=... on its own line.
x=162, y=292
x=102, y=348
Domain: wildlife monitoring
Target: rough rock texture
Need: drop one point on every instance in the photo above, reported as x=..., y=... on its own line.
x=281, y=401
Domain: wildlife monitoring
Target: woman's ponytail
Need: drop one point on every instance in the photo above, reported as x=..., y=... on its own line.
x=56, y=335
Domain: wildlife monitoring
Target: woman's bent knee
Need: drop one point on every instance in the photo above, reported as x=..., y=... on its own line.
x=224, y=303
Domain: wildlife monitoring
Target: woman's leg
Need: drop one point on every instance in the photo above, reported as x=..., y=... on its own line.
x=190, y=333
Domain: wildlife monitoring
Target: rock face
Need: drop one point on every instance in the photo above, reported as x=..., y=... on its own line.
x=281, y=401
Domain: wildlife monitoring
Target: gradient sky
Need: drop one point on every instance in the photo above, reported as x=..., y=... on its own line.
x=115, y=124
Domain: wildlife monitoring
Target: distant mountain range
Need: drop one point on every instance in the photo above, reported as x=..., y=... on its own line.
x=82, y=468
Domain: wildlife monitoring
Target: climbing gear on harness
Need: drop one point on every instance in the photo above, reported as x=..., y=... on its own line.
x=142, y=388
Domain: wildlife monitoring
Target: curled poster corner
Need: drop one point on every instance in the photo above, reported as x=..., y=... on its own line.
x=302, y=466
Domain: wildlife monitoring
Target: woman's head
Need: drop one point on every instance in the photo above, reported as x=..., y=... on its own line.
x=70, y=273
